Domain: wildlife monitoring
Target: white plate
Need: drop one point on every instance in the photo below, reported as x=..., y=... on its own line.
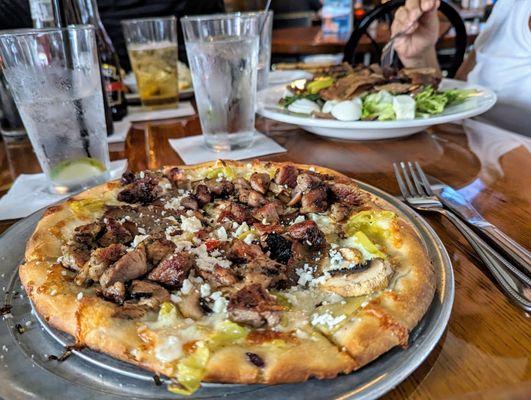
x=373, y=130
x=286, y=76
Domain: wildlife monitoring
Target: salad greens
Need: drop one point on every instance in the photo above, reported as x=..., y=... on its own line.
x=430, y=101
x=378, y=106
x=288, y=100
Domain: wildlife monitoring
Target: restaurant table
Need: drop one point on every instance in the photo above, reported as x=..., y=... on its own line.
x=485, y=351
x=310, y=40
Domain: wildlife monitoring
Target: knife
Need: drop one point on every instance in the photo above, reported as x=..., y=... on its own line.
x=456, y=202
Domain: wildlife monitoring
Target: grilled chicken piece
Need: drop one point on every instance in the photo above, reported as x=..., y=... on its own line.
x=173, y=270
x=202, y=194
x=157, y=249
x=314, y=201
x=305, y=183
x=220, y=188
x=339, y=212
x=150, y=294
x=255, y=199
x=190, y=306
x=89, y=233
x=99, y=261
x=287, y=175
x=308, y=233
x=114, y=293
x=260, y=182
x=144, y=191
x=253, y=305
x=115, y=233
x=346, y=194
x=131, y=311
x=358, y=283
x=190, y=203
x=75, y=255
x=220, y=277
x=242, y=188
x=236, y=212
x=128, y=267
x=267, y=213
x=241, y=252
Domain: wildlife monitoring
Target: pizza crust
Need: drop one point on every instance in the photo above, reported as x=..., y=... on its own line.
x=383, y=323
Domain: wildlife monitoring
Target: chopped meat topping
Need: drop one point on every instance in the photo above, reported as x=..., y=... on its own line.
x=88, y=234
x=314, y=201
x=339, y=211
x=255, y=199
x=190, y=305
x=190, y=203
x=99, y=261
x=75, y=255
x=236, y=212
x=220, y=188
x=346, y=194
x=144, y=191
x=114, y=293
x=202, y=195
x=172, y=271
x=287, y=175
x=157, y=249
x=308, y=232
x=150, y=294
x=260, y=182
x=128, y=267
x=127, y=178
x=220, y=277
x=130, y=311
x=267, y=213
x=241, y=252
x=253, y=305
x=114, y=233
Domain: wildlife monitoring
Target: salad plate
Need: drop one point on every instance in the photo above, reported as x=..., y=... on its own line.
x=478, y=101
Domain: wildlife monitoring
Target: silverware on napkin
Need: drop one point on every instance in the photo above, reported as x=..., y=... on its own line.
x=417, y=192
x=456, y=202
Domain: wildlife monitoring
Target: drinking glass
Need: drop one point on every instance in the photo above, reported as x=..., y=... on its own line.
x=264, y=54
x=152, y=47
x=54, y=77
x=223, y=54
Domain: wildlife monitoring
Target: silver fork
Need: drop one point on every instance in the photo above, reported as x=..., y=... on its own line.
x=417, y=193
x=388, y=52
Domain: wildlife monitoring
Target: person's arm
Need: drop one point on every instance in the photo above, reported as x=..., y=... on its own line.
x=468, y=65
x=417, y=47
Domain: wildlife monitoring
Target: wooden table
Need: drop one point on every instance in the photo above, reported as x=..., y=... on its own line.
x=485, y=351
x=309, y=40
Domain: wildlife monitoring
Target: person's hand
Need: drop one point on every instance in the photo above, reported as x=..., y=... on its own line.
x=417, y=47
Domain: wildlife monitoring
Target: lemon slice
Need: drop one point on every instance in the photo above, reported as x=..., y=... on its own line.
x=77, y=170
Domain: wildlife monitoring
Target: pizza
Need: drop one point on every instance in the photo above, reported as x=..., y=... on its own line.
x=230, y=272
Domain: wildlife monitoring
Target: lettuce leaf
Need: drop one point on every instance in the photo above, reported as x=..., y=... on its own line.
x=288, y=100
x=457, y=96
x=378, y=106
x=430, y=102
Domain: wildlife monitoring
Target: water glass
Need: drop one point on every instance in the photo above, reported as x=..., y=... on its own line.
x=223, y=54
x=152, y=48
x=54, y=77
x=264, y=54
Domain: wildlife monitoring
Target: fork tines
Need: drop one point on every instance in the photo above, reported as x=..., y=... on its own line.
x=414, y=182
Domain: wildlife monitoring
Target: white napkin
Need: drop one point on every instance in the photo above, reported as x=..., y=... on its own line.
x=31, y=192
x=193, y=150
x=138, y=114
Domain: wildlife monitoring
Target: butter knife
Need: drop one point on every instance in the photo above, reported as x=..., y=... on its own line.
x=456, y=202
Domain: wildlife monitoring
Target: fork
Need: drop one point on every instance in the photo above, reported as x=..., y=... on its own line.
x=388, y=52
x=417, y=192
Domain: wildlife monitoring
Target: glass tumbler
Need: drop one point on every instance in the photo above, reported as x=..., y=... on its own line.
x=223, y=54
x=54, y=77
x=152, y=48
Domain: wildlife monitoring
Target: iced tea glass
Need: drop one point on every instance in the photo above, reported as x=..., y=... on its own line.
x=152, y=48
x=54, y=77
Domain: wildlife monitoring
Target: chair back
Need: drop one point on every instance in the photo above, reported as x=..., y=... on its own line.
x=450, y=58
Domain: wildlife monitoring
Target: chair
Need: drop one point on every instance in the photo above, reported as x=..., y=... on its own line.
x=449, y=60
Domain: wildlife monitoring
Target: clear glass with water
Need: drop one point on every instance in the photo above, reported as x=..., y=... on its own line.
x=53, y=75
x=223, y=55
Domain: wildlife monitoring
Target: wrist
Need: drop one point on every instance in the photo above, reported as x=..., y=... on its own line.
x=427, y=59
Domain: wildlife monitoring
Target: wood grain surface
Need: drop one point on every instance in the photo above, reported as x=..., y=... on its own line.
x=485, y=351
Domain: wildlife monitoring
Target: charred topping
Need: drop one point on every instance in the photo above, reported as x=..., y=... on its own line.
x=157, y=380
x=279, y=247
x=6, y=309
x=255, y=359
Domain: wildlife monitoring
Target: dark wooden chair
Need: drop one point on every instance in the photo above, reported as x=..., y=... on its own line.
x=449, y=58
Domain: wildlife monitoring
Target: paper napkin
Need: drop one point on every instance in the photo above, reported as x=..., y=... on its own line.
x=138, y=114
x=31, y=192
x=193, y=150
